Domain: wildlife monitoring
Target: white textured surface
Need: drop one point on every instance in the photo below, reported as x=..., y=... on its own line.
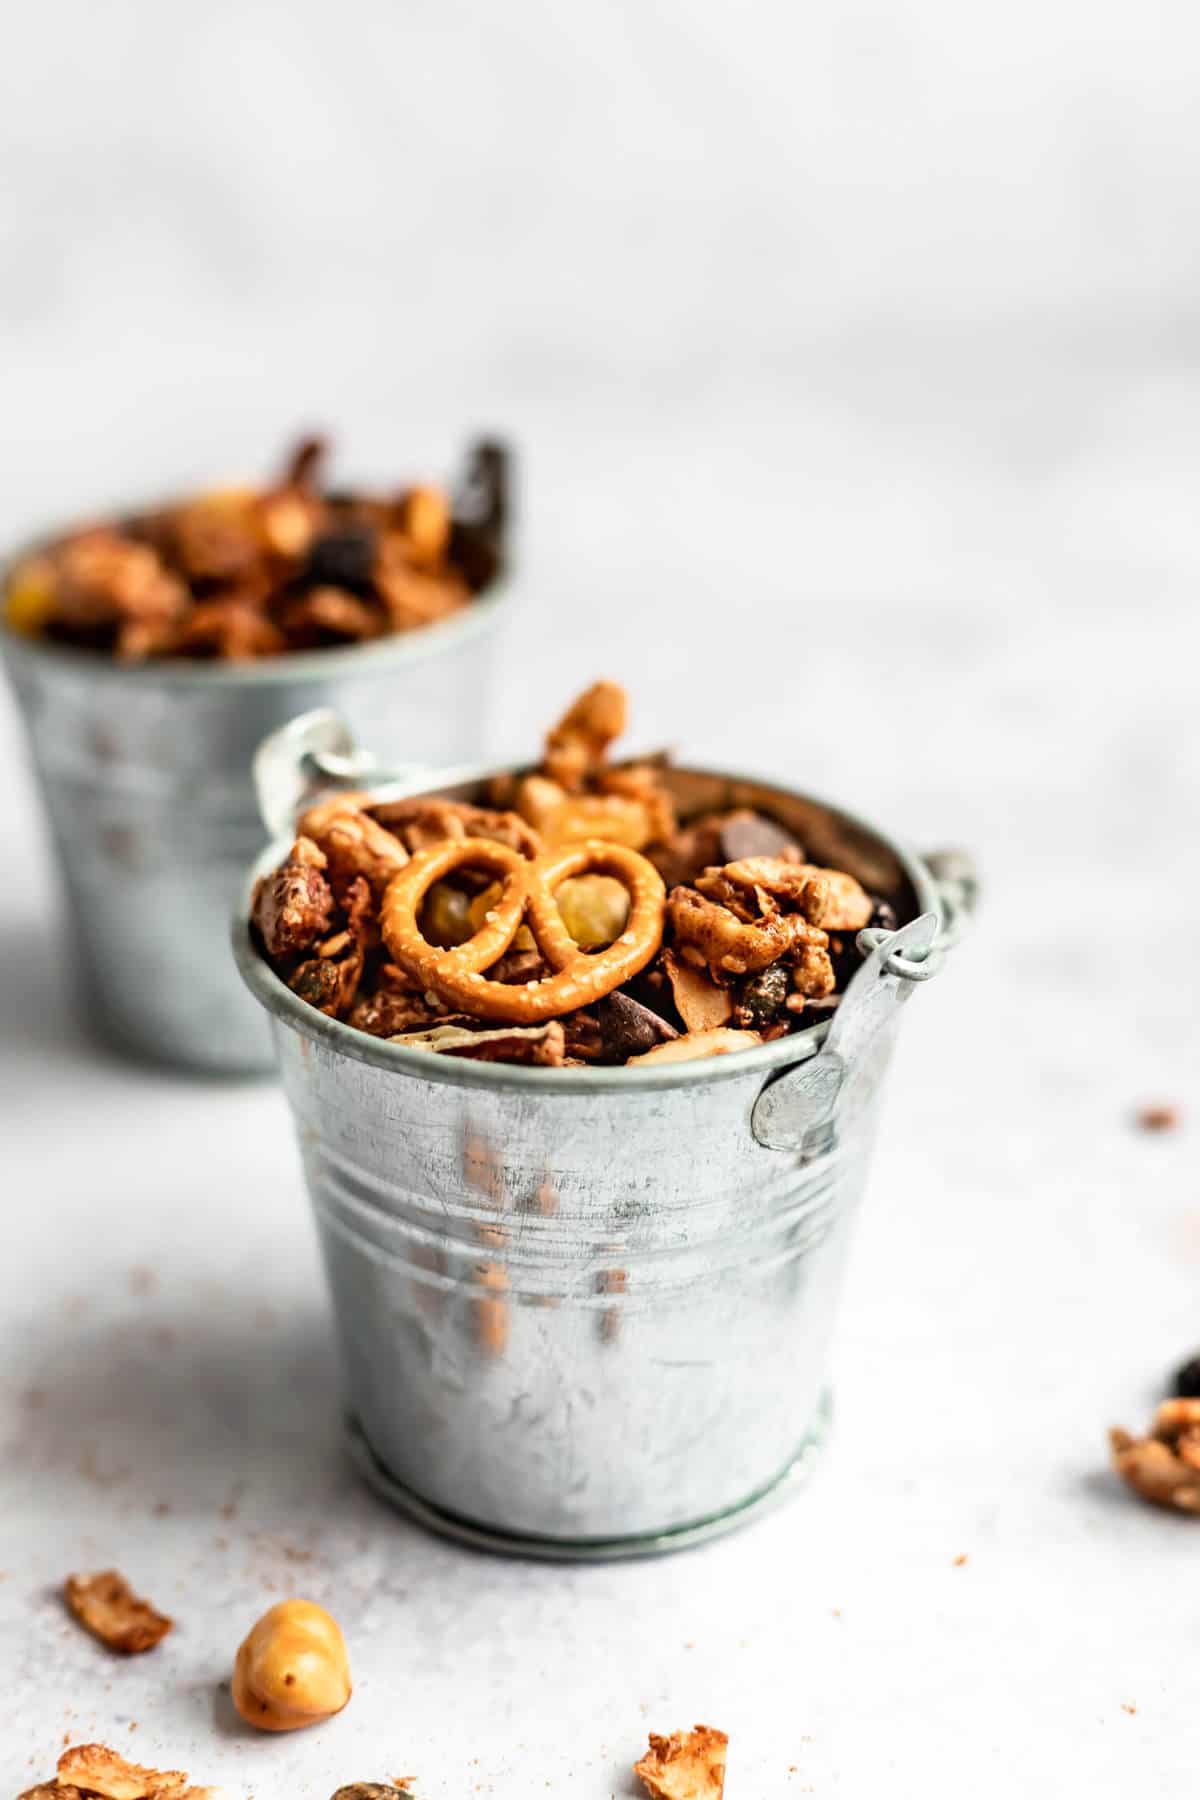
x=852, y=363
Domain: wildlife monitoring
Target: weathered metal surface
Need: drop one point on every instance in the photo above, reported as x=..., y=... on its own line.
x=146, y=777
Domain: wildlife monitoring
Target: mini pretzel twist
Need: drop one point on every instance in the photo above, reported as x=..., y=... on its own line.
x=527, y=897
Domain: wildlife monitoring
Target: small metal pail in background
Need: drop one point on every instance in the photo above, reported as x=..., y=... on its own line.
x=586, y=1312
x=145, y=774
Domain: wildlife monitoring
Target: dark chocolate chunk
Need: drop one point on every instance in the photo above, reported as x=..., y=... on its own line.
x=753, y=834
x=303, y=463
x=628, y=1027
x=343, y=559
x=1187, y=1380
x=482, y=511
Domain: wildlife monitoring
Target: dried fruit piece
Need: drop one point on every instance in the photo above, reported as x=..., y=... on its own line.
x=594, y=909
x=1165, y=1466
x=695, y=1044
x=446, y=915
x=688, y=1765
x=292, y=1669
x=107, y=1606
x=31, y=597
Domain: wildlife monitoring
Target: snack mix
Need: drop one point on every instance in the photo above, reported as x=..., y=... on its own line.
x=574, y=920
x=688, y=1765
x=249, y=572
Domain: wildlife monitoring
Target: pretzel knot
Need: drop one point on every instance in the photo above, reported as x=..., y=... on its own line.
x=527, y=897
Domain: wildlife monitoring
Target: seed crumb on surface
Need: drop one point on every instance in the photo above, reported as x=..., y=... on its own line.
x=1127, y=1708
x=1158, y=1117
x=960, y=1559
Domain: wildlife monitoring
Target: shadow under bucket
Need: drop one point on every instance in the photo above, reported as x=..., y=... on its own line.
x=586, y=1313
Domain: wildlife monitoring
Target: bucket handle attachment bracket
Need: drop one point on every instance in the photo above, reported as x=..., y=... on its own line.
x=796, y=1110
x=312, y=754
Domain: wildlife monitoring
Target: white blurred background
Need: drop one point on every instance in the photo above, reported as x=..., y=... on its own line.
x=836, y=340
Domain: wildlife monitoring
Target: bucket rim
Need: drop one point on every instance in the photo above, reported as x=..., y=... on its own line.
x=344, y=1040
x=379, y=656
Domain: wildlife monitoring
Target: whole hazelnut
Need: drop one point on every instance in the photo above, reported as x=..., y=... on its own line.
x=292, y=1669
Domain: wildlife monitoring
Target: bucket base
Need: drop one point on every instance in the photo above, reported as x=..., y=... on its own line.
x=683, y=1537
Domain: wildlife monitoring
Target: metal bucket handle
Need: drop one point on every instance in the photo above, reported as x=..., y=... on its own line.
x=796, y=1110
x=307, y=757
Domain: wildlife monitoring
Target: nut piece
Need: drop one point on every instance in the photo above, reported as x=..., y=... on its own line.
x=700, y=1003
x=352, y=842
x=293, y=906
x=718, y=937
x=1164, y=1467
x=694, y=1044
x=95, y=1769
x=292, y=1670
x=688, y=1765
x=107, y=1606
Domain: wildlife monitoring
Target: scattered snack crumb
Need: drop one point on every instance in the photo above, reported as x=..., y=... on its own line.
x=94, y=1772
x=960, y=1560
x=107, y=1606
x=1164, y=1467
x=292, y=1669
x=1159, y=1118
x=1126, y=1707
x=688, y=1765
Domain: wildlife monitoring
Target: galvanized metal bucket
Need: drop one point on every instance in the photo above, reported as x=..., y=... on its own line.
x=586, y=1313
x=145, y=775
